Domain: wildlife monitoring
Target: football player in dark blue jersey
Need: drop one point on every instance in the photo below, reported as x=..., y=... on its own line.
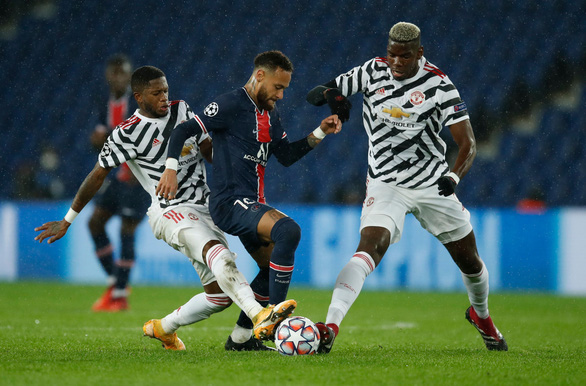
x=246, y=131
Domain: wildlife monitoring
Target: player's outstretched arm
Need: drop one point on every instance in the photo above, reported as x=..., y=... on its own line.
x=55, y=230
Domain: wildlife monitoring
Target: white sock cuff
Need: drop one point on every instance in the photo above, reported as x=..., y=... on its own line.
x=479, y=275
x=219, y=300
x=213, y=254
x=364, y=260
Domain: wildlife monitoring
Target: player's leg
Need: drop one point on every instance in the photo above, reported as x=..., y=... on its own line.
x=198, y=308
x=263, y=225
x=373, y=245
x=449, y=221
x=476, y=280
x=241, y=337
x=383, y=215
x=284, y=233
x=120, y=292
x=104, y=253
x=102, y=244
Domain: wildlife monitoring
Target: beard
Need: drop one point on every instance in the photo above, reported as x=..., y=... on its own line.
x=263, y=100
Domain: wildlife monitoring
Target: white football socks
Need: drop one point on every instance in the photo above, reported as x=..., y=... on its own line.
x=198, y=308
x=477, y=288
x=241, y=334
x=231, y=280
x=348, y=285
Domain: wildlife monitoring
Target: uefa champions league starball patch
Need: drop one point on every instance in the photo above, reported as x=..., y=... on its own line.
x=211, y=109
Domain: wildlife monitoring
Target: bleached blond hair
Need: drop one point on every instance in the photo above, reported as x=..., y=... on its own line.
x=403, y=32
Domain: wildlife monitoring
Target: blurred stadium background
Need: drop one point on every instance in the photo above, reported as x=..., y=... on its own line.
x=520, y=66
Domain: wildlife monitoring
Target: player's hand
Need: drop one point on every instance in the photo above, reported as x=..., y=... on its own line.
x=54, y=229
x=331, y=125
x=339, y=104
x=167, y=187
x=446, y=185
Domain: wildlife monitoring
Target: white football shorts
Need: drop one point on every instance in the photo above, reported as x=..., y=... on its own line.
x=387, y=205
x=168, y=223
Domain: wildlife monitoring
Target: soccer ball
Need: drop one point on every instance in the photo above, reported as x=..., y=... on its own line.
x=297, y=336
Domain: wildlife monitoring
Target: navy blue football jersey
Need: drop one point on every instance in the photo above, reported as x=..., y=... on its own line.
x=244, y=138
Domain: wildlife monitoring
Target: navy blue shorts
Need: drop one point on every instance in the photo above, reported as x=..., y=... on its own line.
x=123, y=199
x=240, y=217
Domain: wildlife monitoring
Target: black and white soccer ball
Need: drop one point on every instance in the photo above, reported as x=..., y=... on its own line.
x=297, y=336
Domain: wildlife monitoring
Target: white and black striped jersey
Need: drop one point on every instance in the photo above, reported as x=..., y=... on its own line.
x=142, y=143
x=403, y=120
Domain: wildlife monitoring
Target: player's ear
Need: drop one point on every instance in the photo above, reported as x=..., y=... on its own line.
x=259, y=75
x=420, y=52
x=137, y=97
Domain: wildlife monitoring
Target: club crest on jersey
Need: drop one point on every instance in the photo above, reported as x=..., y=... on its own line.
x=192, y=216
x=417, y=97
x=396, y=112
x=370, y=201
x=211, y=109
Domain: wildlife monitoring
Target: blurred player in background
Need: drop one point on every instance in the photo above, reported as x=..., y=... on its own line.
x=184, y=221
x=247, y=131
x=121, y=194
x=407, y=101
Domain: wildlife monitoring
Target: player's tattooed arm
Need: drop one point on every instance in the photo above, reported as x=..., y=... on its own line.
x=330, y=125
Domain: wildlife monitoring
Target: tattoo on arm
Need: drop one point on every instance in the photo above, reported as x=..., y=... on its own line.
x=312, y=140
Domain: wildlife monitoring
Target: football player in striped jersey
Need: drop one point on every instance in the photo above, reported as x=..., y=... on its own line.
x=183, y=221
x=121, y=194
x=406, y=102
x=247, y=130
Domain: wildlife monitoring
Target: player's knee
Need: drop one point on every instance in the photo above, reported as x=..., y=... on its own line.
x=221, y=261
x=286, y=231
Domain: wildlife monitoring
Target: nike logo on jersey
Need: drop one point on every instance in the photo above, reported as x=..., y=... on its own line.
x=396, y=112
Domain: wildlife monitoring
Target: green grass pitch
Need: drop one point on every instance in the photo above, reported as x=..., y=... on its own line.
x=49, y=336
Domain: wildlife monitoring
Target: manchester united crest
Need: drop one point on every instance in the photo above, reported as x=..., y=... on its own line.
x=417, y=97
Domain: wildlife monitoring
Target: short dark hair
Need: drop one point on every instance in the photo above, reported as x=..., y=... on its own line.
x=143, y=75
x=118, y=60
x=273, y=60
x=406, y=33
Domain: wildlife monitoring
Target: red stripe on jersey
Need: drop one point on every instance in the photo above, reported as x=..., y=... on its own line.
x=117, y=111
x=434, y=70
x=174, y=102
x=281, y=268
x=203, y=127
x=260, y=174
x=129, y=122
x=263, y=125
x=380, y=59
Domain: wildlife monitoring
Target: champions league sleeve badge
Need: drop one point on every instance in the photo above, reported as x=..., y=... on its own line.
x=211, y=109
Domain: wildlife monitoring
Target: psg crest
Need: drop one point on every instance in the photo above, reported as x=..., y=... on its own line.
x=211, y=109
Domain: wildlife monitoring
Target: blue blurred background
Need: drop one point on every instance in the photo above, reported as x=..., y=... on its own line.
x=519, y=65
